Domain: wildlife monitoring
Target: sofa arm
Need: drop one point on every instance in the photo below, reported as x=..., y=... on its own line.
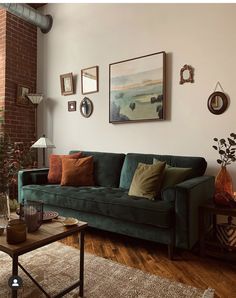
x=187, y=197
x=31, y=176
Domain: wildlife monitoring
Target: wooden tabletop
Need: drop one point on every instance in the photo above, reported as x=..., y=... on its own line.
x=47, y=233
x=211, y=207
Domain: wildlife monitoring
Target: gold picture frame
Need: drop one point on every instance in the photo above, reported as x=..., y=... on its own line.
x=67, y=85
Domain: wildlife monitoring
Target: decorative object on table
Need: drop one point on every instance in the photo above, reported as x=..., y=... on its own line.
x=16, y=231
x=186, y=74
x=223, y=198
x=21, y=96
x=72, y=106
x=49, y=215
x=226, y=234
x=32, y=213
x=43, y=143
x=218, y=101
x=137, y=89
x=86, y=107
x=35, y=99
x=226, y=149
x=89, y=80
x=67, y=84
x=68, y=221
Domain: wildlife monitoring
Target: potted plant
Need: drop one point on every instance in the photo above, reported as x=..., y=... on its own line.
x=226, y=149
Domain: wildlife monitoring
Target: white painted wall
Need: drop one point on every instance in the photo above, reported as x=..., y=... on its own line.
x=84, y=35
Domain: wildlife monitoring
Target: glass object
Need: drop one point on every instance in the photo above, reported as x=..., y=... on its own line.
x=217, y=103
x=32, y=213
x=86, y=107
x=89, y=80
x=223, y=181
x=16, y=231
x=4, y=209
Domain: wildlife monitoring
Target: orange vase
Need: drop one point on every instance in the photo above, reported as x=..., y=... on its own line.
x=223, y=181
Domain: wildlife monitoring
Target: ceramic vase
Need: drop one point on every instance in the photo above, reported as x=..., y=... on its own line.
x=223, y=182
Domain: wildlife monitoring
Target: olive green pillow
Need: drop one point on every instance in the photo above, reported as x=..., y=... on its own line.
x=173, y=175
x=147, y=180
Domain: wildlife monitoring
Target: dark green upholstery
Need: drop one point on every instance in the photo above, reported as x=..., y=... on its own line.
x=112, y=202
x=107, y=167
x=108, y=206
x=198, y=165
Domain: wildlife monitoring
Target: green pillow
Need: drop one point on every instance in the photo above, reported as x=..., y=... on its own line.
x=147, y=180
x=173, y=175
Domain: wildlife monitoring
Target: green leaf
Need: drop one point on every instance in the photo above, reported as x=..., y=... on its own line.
x=222, y=141
x=233, y=135
x=219, y=161
x=215, y=147
x=221, y=152
x=231, y=142
x=215, y=139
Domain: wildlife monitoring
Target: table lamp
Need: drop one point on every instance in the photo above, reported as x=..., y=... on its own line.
x=43, y=143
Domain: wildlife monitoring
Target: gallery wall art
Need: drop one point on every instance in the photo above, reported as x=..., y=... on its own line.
x=137, y=89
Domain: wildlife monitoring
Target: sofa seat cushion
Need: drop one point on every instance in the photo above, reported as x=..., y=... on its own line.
x=112, y=202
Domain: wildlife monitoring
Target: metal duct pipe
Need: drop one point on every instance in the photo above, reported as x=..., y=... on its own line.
x=29, y=14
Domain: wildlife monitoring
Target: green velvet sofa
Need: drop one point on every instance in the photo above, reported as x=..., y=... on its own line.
x=171, y=220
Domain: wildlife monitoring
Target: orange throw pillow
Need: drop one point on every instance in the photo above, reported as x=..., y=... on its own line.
x=77, y=172
x=55, y=166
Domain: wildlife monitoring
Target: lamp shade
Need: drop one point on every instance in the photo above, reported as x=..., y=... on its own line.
x=35, y=98
x=43, y=142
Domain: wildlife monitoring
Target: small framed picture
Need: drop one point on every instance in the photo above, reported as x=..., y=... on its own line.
x=21, y=96
x=72, y=106
x=67, y=86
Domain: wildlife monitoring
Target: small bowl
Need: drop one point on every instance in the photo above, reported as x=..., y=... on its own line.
x=70, y=221
x=1, y=230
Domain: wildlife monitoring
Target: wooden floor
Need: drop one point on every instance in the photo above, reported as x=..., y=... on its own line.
x=187, y=267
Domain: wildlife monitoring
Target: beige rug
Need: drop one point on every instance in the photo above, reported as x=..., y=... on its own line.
x=56, y=266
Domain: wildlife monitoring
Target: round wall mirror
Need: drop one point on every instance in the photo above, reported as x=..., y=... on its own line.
x=86, y=107
x=217, y=103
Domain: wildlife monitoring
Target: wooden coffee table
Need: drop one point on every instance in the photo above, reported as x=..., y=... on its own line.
x=48, y=232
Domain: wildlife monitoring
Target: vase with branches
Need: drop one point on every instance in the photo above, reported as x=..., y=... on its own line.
x=227, y=151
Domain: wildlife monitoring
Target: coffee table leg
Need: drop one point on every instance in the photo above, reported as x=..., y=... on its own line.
x=81, y=288
x=14, y=273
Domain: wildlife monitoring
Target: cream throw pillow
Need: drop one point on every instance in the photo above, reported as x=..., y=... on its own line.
x=147, y=180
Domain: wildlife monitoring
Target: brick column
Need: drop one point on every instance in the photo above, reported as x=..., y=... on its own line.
x=20, y=69
x=2, y=56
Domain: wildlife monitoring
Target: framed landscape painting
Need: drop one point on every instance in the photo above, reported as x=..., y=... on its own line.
x=137, y=89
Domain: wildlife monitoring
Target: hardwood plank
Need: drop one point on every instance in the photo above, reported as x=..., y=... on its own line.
x=188, y=268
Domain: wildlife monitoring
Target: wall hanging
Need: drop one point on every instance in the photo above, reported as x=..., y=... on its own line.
x=72, y=106
x=186, y=74
x=137, y=89
x=67, y=84
x=86, y=107
x=89, y=80
x=21, y=96
x=218, y=101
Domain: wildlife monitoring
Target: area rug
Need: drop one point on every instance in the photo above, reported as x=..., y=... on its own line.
x=56, y=266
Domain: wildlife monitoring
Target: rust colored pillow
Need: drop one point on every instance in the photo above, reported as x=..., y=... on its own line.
x=55, y=166
x=77, y=172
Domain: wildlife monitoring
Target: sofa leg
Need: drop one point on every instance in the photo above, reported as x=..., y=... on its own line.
x=171, y=251
x=171, y=245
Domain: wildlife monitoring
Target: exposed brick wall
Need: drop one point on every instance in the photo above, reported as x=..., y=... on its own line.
x=20, y=68
x=2, y=56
